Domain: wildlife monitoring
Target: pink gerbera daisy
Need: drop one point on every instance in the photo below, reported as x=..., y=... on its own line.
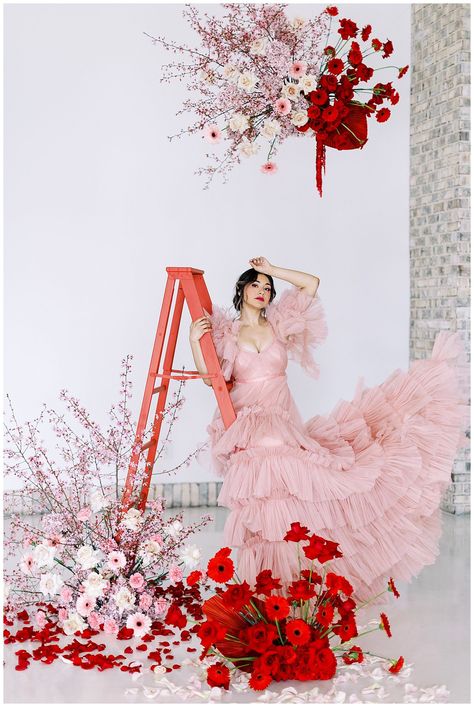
x=140, y=623
x=282, y=106
x=84, y=605
x=298, y=68
x=212, y=133
x=269, y=168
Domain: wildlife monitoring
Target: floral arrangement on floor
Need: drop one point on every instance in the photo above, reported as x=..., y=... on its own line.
x=284, y=637
x=262, y=76
x=69, y=572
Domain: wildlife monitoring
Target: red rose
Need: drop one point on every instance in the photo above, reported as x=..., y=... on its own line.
x=333, y=11
x=277, y=607
x=329, y=83
x=396, y=667
x=270, y=662
x=327, y=663
x=353, y=655
x=286, y=672
x=301, y=589
x=319, y=98
x=335, y=66
x=264, y=582
x=366, y=32
x=218, y=675
x=260, y=636
x=314, y=112
x=296, y=533
x=220, y=568
x=287, y=654
x=237, y=595
x=347, y=630
x=297, y=632
x=387, y=49
x=175, y=616
x=348, y=29
x=211, y=631
x=330, y=114
x=382, y=115
x=305, y=671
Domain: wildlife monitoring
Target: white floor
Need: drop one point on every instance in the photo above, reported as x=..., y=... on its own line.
x=430, y=625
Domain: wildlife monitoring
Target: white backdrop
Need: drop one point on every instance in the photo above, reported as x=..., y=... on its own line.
x=98, y=202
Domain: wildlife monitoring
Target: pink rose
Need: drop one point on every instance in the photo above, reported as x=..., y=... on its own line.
x=111, y=626
x=137, y=581
x=94, y=620
x=161, y=606
x=40, y=618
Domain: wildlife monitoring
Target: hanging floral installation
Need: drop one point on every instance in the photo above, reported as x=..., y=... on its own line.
x=259, y=76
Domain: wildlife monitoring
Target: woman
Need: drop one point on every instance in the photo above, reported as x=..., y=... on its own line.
x=368, y=476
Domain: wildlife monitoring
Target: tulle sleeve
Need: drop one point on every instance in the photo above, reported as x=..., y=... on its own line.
x=299, y=321
x=223, y=334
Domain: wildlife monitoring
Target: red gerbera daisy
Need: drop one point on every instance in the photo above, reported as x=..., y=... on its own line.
x=347, y=629
x=220, y=568
x=403, y=71
x=325, y=614
x=382, y=115
x=335, y=66
x=259, y=680
x=353, y=655
x=397, y=665
x=218, y=675
x=277, y=607
x=297, y=632
x=392, y=587
x=193, y=577
x=385, y=624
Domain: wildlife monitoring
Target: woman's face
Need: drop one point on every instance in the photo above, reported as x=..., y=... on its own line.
x=257, y=293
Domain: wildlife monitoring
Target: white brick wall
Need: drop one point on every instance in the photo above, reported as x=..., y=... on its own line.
x=439, y=192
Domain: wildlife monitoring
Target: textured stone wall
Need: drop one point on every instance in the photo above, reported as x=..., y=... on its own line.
x=439, y=192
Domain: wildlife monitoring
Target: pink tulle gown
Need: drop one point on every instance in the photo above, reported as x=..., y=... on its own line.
x=368, y=476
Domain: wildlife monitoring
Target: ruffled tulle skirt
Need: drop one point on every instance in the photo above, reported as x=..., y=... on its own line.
x=369, y=476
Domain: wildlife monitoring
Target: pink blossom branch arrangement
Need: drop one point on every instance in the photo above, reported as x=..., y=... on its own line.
x=72, y=560
x=262, y=76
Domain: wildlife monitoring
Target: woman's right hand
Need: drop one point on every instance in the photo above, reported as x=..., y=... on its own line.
x=199, y=327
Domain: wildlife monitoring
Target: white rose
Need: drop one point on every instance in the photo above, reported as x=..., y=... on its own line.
x=174, y=528
x=307, y=83
x=148, y=551
x=98, y=501
x=299, y=118
x=133, y=519
x=270, y=129
x=191, y=555
x=247, y=148
x=124, y=599
x=259, y=46
x=50, y=583
x=297, y=22
x=231, y=73
x=88, y=557
x=73, y=623
x=94, y=585
x=291, y=91
x=44, y=555
x=239, y=122
x=247, y=81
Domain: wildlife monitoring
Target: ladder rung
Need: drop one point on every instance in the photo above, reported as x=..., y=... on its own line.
x=148, y=444
x=159, y=389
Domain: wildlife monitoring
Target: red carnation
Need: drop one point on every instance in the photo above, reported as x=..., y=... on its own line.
x=387, y=49
x=220, y=568
x=394, y=98
x=218, y=675
x=382, y=115
x=297, y=531
x=193, y=577
x=297, y=632
x=392, y=587
x=363, y=72
x=337, y=583
x=325, y=614
x=265, y=583
x=403, y=71
x=329, y=51
x=260, y=636
x=376, y=44
x=353, y=655
x=333, y=11
x=335, y=66
x=237, y=595
x=347, y=629
x=311, y=576
x=175, y=617
x=327, y=663
x=259, y=680
x=277, y=607
x=301, y=590
x=315, y=547
x=366, y=32
x=319, y=98
x=385, y=624
x=397, y=666
x=354, y=57
x=348, y=29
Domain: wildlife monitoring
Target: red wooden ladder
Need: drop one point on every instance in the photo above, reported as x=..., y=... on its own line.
x=192, y=288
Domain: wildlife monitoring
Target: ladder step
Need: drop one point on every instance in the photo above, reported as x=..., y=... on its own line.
x=148, y=444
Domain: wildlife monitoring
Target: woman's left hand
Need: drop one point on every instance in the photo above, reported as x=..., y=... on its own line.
x=261, y=265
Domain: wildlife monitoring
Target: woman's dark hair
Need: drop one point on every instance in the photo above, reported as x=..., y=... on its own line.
x=244, y=279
